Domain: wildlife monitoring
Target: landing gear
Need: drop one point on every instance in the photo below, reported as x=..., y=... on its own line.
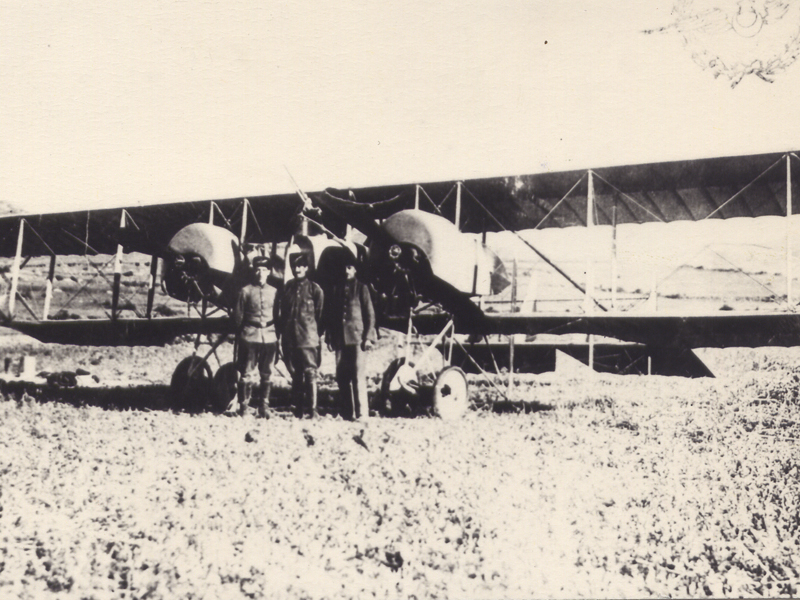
x=402, y=393
x=226, y=380
x=450, y=394
x=191, y=383
x=193, y=388
x=398, y=396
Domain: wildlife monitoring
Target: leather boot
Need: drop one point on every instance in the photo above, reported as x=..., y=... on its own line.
x=232, y=409
x=298, y=395
x=263, y=400
x=245, y=390
x=311, y=392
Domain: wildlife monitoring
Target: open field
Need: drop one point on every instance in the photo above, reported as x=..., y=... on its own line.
x=583, y=487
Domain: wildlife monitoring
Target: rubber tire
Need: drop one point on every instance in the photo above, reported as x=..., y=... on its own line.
x=451, y=394
x=226, y=380
x=191, y=393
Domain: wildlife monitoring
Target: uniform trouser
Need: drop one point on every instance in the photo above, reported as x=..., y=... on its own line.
x=351, y=376
x=251, y=357
x=302, y=364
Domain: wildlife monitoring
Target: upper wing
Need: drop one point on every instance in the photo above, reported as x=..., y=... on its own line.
x=738, y=186
x=147, y=229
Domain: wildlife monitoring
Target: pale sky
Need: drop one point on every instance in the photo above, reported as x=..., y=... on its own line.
x=126, y=103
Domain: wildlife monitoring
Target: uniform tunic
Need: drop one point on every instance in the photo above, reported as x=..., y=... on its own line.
x=298, y=313
x=297, y=316
x=352, y=318
x=351, y=322
x=253, y=316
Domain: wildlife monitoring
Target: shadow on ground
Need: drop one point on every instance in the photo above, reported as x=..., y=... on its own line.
x=141, y=397
x=158, y=397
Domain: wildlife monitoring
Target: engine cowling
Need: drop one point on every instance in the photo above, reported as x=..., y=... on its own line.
x=423, y=254
x=202, y=262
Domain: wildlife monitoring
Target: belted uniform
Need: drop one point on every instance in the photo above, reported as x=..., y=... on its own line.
x=253, y=316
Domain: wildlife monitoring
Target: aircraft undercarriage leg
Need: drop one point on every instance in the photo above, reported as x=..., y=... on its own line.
x=404, y=394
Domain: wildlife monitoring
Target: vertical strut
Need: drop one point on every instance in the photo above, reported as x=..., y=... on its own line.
x=457, y=219
x=588, y=298
x=614, y=274
x=12, y=293
x=151, y=286
x=48, y=290
x=789, y=275
x=117, y=274
x=407, y=349
x=245, y=207
x=511, y=337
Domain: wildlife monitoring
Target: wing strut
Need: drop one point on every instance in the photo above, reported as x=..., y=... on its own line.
x=48, y=292
x=117, y=274
x=789, y=232
x=12, y=294
x=151, y=286
x=18, y=265
x=560, y=271
x=741, y=191
x=245, y=206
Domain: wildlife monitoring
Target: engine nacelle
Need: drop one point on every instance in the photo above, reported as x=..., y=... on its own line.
x=202, y=263
x=458, y=259
x=424, y=257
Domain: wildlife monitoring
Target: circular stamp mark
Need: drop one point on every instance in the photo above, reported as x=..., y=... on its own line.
x=735, y=38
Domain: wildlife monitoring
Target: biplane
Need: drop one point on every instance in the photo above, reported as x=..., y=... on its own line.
x=423, y=251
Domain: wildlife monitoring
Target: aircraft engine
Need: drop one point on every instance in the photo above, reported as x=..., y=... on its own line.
x=201, y=262
x=422, y=251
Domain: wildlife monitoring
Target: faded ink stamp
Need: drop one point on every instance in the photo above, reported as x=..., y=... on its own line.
x=736, y=38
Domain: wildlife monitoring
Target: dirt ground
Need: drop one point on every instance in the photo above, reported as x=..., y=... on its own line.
x=582, y=486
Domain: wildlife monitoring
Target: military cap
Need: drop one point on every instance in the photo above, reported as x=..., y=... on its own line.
x=261, y=261
x=298, y=259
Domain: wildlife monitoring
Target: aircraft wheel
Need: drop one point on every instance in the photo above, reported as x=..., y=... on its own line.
x=191, y=383
x=226, y=380
x=451, y=394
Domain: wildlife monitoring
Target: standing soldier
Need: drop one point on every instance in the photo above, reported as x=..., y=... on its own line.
x=298, y=314
x=257, y=343
x=350, y=331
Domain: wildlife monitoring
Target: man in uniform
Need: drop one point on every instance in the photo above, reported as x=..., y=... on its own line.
x=298, y=315
x=350, y=330
x=257, y=343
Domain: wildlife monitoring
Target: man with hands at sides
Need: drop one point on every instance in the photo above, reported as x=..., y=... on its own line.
x=350, y=331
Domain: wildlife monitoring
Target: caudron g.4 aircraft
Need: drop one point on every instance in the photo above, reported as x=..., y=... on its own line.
x=423, y=257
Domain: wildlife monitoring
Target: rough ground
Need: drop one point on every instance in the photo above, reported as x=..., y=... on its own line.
x=582, y=487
